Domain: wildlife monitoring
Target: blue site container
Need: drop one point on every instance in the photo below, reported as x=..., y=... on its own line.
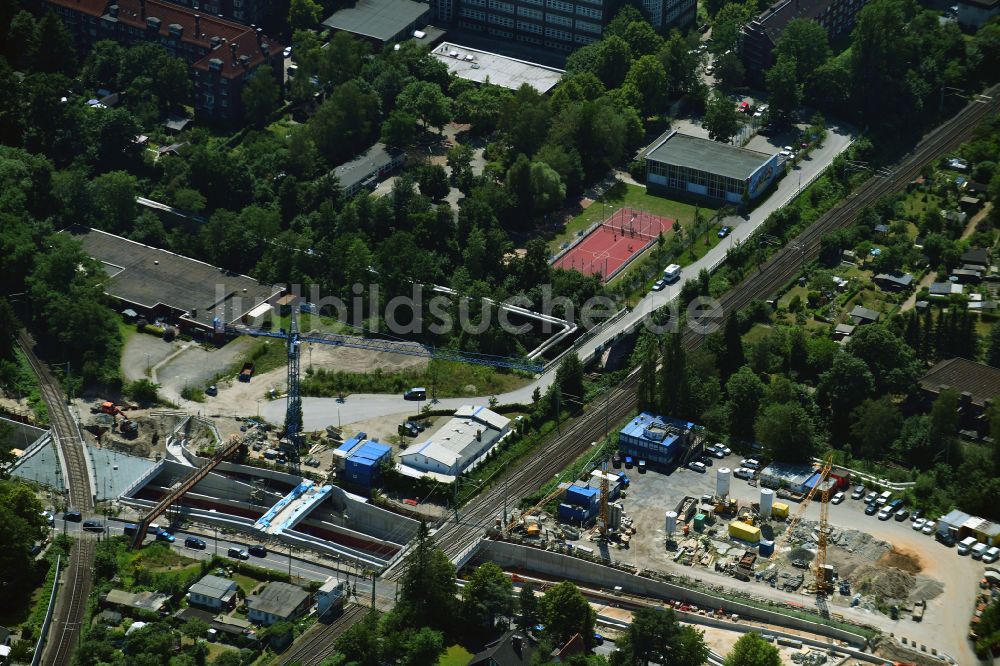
x=766, y=548
x=582, y=495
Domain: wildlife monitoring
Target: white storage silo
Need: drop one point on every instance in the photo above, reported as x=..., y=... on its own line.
x=766, y=503
x=671, y=522
x=722, y=477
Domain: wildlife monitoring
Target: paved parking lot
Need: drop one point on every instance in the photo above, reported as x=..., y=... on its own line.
x=944, y=626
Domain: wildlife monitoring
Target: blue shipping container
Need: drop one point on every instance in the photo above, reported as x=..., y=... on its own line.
x=582, y=496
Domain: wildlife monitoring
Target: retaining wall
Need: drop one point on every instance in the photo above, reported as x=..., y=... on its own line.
x=598, y=575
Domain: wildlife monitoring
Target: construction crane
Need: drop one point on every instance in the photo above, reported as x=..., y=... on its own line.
x=820, y=568
x=535, y=509
x=605, y=491
x=294, y=339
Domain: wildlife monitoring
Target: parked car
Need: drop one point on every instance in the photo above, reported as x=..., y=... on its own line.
x=238, y=554
x=725, y=449
x=919, y=513
x=659, y=285
x=616, y=460
x=884, y=514
x=724, y=231
x=743, y=473
x=895, y=505
x=871, y=497
x=716, y=451
x=258, y=550
x=212, y=390
x=751, y=463
x=598, y=639
x=93, y=526
x=642, y=467
x=871, y=509
x=918, y=524
x=416, y=393
x=929, y=527
x=697, y=466
x=194, y=542
x=991, y=555
x=407, y=429
x=164, y=535
x=837, y=498
x=902, y=515
x=287, y=52
x=706, y=461
x=946, y=539
x=858, y=493
x=418, y=425
x=73, y=515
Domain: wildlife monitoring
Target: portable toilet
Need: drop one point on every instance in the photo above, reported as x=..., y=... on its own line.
x=699, y=522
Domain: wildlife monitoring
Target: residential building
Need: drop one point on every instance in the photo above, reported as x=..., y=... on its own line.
x=213, y=592
x=862, y=315
x=893, y=281
x=511, y=649
x=658, y=440
x=759, y=37
x=222, y=54
x=457, y=446
x=972, y=14
x=692, y=166
x=368, y=169
x=945, y=289
x=247, y=12
x=977, y=257
x=978, y=386
x=277, y=602
x=4, y=645
x=380, y=21
x=573, y=646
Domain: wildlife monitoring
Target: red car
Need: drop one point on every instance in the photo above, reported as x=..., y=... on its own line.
x=744, y=107
x=411, y=502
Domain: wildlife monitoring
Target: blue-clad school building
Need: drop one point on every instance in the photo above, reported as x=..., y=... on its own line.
x=659, y=440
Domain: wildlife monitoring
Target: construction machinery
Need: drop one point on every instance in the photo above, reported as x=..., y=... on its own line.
x=819, y=568
x=294, y=339
x=533, y=510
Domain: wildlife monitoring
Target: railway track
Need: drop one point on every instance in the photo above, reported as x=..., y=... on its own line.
x=71, y=606
x=317, y=643
x=577, y=435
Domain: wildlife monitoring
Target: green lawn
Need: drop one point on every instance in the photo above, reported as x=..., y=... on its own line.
x=455, y=655
x=624, y=195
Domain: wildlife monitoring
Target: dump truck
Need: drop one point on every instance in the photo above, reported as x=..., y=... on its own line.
x=247, y=372
x=918, y=610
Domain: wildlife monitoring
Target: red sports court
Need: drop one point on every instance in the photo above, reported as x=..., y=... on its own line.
x=614, y=243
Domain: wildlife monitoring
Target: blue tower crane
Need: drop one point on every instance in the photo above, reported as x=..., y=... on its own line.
x=294, y=340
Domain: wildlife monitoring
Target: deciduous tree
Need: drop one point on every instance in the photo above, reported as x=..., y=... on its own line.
x=752, y=650
x=720, y=119
x=260, y=96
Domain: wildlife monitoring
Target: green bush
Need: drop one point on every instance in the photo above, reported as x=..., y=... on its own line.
x=193, y=394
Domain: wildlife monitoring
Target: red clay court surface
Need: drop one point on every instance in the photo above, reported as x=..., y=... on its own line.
x=614, y=243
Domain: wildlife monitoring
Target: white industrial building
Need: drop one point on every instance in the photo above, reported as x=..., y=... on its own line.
x=459, y=443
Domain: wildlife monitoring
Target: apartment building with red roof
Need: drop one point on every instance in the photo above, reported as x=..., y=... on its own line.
x=222, y=54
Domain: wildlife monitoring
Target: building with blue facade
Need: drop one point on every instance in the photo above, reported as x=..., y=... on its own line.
x=679, y=163
x=659, y=440
x=361, y=460
x=580, y=504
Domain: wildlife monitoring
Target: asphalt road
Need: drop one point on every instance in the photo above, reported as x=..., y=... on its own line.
x=321, y=412
x=281, y=561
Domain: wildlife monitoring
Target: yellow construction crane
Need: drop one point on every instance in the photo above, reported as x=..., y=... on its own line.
x=820, y=568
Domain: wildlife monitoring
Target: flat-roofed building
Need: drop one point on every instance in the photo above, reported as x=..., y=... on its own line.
x=381, y=21
x=476, y=65
x=680, y=163
x=156, y=283
x=368, y=169
x=277, y=602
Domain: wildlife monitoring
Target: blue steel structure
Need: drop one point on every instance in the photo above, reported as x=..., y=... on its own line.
x=293, y=410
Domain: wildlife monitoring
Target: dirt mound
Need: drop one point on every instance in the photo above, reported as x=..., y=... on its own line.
x=926, y=589
x=882, y=582
x=901, y=559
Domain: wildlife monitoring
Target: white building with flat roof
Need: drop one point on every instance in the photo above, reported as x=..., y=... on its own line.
x=457, y=446
x=475, y=65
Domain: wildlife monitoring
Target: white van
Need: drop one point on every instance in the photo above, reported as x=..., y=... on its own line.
x=883, y=498
x=966, y=544
x=979, y=550
x=672, y=273
x=991, y=555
